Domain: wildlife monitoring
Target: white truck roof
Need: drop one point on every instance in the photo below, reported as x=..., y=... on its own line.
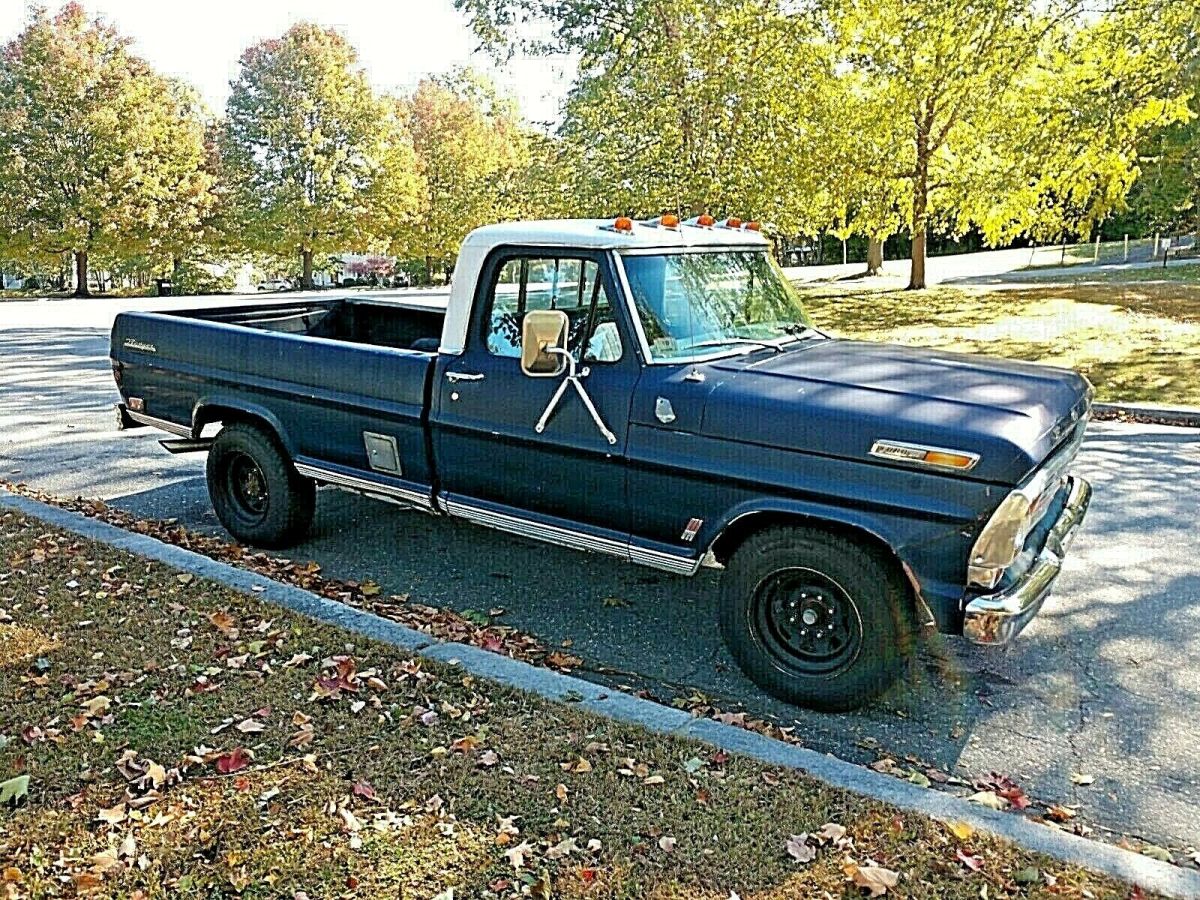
x=580, y=234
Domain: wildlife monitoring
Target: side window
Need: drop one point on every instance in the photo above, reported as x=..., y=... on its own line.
x=574, y=286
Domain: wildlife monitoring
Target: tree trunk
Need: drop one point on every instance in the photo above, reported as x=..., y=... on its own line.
x=875, y=256
x=920, y=224
x=81, y=274
x=916, y=279
x=306, y=281
x=428, y=269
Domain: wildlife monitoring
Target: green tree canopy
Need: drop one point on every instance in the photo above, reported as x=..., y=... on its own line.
x=684, y=105
x=317, y=162
x=98, y=154
x=472, y=154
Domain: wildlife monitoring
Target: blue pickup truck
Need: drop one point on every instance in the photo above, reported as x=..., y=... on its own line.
x=652, y=390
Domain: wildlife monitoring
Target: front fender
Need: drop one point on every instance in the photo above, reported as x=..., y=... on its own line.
x=931, y=553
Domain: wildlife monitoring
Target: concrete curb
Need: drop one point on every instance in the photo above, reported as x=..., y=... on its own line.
x=1185, y=416
x=1151, y=875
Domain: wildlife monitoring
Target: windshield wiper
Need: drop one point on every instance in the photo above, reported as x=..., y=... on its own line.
x=733, y=341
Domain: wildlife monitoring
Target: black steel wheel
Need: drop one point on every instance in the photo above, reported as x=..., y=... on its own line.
x=247, y=487
x=255, y=490
x=816, y=618
x=807, y=621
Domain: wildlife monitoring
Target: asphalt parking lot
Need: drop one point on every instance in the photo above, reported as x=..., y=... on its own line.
x=1106, y=682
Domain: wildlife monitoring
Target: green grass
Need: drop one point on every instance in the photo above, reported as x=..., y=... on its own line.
x=1136, y=338
x=111, y=666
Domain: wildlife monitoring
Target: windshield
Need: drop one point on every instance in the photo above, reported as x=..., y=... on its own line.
x=705, y=304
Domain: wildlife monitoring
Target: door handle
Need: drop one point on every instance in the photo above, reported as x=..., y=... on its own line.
x=464, y=376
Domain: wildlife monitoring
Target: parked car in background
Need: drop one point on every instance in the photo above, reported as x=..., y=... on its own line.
x=653, y=391
x=274, y=285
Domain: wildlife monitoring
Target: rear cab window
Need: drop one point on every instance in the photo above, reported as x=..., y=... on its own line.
x=540, y=281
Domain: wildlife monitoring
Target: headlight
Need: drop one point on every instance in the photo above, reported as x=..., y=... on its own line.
x=1004, y=535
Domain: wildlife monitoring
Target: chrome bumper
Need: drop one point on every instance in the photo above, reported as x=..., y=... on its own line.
x=995, y=619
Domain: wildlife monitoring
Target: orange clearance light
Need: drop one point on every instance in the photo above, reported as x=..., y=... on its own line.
x=706, y=221
x=733, y=223
x=623, y=223
x=948, y=460
x=670, y=221
x=753, y=226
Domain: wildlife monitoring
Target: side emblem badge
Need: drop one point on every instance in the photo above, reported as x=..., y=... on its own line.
x=664, y=411
x=693, y=529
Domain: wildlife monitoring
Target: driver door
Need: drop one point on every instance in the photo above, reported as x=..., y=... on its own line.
x=487, y=407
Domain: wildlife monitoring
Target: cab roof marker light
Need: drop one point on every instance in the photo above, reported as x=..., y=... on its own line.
x=701, y=221
x=623, y=224
x=752, y=226
x=732, y=222
x=664, y=221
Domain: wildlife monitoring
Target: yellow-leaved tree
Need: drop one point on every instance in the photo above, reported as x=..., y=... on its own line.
x=317, y=161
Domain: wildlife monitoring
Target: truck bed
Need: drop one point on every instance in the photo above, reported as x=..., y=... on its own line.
x=381, y=324
x=322, y=373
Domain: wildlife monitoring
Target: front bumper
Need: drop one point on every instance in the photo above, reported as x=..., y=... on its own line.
x=995, y=619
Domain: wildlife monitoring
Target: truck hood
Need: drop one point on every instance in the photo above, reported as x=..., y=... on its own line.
x=837, y=397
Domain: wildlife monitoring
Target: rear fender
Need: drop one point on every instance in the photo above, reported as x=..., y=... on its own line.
x=231, y=409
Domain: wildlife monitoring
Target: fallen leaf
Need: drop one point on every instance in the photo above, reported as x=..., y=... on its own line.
x=831, y=832
x=974, y=863
x=562, y=849
x=14, y=789
x=960, y=830
x=97, y=706
x=113, y=816
x=1058, y=813
x=666, y=844
x=799, y=849
x=516, y=855
x=989, y=799
x=250, y=726
x=559, y=660
x=1081, y=779
x=233, y=761
x=875, y=879
x=1155, y=852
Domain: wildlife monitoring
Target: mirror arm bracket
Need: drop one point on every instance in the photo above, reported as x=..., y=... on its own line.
x=575, y=378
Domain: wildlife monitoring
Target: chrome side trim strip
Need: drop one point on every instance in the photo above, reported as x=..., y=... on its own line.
x=161, y=424
x=553, y=534
x=668, y=562
x=366, y=486
x=566, y=537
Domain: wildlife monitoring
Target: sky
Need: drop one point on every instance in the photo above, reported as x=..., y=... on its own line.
x=398, y=42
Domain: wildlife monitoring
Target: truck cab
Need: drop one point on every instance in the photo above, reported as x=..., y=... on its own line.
x=652, y=390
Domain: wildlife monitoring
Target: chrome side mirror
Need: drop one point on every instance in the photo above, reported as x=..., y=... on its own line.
x=544, y=342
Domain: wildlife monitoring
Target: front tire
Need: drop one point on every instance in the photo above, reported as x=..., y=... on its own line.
x=815, y=618
x=255, y=490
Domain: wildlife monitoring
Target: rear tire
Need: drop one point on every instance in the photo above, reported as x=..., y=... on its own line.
x=255, y=490
x=815, y=618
